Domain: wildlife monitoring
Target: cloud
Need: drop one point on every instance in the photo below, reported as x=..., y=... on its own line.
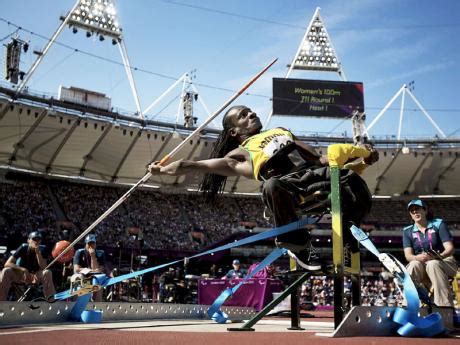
x=395, y=55
x=404, y=76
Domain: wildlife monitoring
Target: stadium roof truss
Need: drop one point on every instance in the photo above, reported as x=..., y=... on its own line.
x=60, y=141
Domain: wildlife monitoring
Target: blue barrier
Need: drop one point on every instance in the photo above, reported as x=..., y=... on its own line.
x=103, y=281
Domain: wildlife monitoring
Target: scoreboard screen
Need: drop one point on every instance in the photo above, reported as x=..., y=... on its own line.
x=317, y=98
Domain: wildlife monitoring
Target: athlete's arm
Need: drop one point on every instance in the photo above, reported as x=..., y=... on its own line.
x=235, y=163
x=309, y=153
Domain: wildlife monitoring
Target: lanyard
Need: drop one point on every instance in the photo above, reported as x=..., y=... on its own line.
x=429, y=238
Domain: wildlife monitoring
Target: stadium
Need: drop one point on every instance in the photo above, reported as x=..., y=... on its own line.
x=65, y=160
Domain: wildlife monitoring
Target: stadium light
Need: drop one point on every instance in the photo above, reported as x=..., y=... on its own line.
x=13, y=59
x=435, y=196
x=316, y=51
x=96, y=16
x=225, y=192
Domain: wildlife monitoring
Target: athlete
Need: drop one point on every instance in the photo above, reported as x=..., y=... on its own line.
x=287, y=167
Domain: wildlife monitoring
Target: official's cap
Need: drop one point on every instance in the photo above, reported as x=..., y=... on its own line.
x=416, y=202
x=35, y=234
x=90, y=238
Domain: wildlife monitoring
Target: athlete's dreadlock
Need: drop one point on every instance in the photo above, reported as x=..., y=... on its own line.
x=213, y=184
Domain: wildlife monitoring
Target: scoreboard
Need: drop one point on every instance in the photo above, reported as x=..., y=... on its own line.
x=317, y=98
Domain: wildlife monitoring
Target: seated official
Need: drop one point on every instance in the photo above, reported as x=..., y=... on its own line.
x=236, y=271
x=88, y=258
x=27, y=265
x=428, y=247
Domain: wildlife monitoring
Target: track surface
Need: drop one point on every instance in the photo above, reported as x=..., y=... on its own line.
x=191, y=332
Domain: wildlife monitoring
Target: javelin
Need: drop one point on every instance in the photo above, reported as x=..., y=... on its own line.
x=163, y=161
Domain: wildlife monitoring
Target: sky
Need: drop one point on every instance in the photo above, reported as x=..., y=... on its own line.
x=382, y=43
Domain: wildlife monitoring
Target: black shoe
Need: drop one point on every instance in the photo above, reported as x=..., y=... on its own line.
x=307, y=258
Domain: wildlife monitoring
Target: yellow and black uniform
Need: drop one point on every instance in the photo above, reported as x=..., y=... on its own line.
x=263, y=146
x=289, y=171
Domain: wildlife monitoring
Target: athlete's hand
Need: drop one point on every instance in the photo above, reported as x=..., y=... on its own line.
x=154, y=168
x=170, y=169
x=373, y=157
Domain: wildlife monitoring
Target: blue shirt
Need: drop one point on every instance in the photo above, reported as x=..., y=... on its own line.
x=236, y=273
x=26, y=257
x=83, y=258
x=435, y=234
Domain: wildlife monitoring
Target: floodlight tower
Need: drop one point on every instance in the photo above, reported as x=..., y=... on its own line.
x=316, y=52
x=187, y=88
x=98, y=18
